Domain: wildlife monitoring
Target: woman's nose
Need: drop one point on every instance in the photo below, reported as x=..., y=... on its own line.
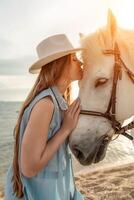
x=80, y=64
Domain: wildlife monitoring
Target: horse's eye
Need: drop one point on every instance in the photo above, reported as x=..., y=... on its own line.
x=100, y=81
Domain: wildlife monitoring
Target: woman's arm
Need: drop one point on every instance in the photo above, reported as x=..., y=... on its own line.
x=36, y=151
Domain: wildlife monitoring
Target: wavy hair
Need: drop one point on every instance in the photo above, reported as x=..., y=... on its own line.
x=48, y=76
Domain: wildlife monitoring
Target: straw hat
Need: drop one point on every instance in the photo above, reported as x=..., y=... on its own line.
x=50, y=49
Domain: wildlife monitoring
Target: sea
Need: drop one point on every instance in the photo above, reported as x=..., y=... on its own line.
x=119, y=151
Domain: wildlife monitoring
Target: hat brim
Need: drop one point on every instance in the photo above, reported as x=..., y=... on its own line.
x=35, y=68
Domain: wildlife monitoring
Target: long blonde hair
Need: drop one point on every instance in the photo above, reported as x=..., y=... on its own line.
x=47, y=77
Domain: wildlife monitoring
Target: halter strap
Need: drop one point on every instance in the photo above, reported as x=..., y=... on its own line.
x=110, y=113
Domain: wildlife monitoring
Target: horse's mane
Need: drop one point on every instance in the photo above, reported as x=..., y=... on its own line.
x=98, y=41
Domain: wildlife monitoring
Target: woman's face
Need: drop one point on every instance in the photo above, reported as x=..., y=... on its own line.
x=75, y=71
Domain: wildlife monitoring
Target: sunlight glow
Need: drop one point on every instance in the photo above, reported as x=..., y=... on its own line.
x=123, y=11
x=75, y=90
x=16, y=82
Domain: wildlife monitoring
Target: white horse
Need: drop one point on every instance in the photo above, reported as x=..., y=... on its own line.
x=92, y=135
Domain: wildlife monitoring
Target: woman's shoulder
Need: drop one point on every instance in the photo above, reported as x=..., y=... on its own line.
x=42, y=100
x=42, y=112
x=43, y=96
x=45, y=103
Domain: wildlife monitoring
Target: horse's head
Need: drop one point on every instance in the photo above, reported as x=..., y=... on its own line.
x=90, y=139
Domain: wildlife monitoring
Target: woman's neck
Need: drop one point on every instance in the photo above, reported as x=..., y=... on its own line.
x=62, y=87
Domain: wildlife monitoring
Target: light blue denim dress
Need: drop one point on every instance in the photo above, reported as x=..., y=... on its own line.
x=55, y=181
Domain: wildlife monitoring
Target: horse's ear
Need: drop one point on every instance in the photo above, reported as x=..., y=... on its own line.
x=81, y=35
x=111, y=25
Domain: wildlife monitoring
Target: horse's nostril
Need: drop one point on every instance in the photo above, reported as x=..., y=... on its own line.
x=105, y=140
x=77, y=152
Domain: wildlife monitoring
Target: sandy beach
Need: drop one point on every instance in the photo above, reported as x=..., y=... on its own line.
x=108, y=183
x=105, y=183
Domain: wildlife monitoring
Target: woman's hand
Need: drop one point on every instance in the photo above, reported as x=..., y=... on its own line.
x=71, y=116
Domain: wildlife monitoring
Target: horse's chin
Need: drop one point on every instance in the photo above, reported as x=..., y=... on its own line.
x=96, y=156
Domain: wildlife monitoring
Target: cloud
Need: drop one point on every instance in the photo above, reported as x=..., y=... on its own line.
x=3, y=85
x=18, y=66
x=16, y=82
x=6, y=47
x=26, y=23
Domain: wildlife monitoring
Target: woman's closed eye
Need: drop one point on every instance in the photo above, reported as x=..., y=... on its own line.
x=75, y=58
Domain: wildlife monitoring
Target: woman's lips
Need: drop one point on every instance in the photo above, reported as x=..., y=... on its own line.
x=81, y=70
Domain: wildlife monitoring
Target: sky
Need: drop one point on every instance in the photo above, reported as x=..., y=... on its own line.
x=25, y=23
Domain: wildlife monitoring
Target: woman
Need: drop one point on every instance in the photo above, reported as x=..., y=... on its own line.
x=41, y=168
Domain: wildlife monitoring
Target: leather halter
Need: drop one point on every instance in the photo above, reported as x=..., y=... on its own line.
x=110, y=113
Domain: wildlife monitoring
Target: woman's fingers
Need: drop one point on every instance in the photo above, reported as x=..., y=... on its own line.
x=76, y=115
x=75, y=108
x=73, y=105
x=78, y=111
x=71, y=115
